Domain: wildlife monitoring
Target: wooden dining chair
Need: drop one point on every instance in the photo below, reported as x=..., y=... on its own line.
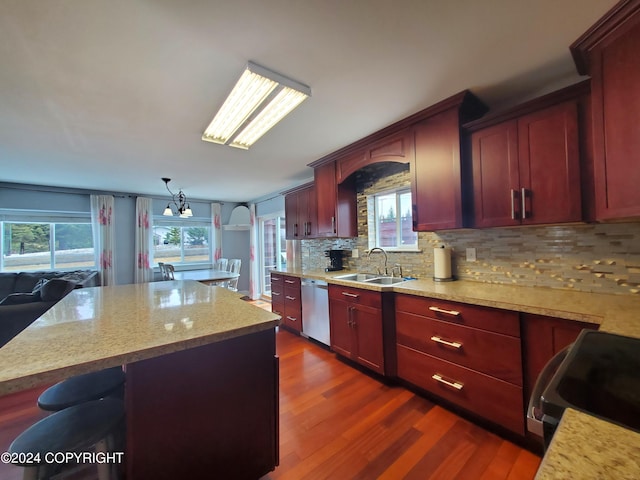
x=169, y=272
x=221, y=264
x=161, y=269
x=234, y=267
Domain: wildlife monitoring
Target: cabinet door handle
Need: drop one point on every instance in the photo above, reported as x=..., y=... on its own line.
x=438, y=378
x=288, y=297
x=414, y=211
x=347, y=294
x=333, y=224
x=295, y=229
x=448, y=312
x=437, y=339
x=275, y=294
x=523, y=193
x=513, y=204
x=293, y=319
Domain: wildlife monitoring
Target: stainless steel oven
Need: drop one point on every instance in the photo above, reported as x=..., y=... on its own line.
x=599, y=374
x=537, y=424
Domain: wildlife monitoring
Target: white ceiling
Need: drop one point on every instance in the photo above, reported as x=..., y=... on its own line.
x=114, y=94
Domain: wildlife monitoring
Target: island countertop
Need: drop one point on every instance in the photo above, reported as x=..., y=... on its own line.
x=99, y=327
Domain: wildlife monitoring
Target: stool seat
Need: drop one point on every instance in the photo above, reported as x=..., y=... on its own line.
x=82, y=388
x=75, y=429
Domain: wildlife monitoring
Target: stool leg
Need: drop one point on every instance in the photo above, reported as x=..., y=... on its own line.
x=104, y=470
x=30, y=473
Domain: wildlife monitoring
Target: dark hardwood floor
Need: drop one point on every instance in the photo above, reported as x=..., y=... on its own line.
x=339, y=423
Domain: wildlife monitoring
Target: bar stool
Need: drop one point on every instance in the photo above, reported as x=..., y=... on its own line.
x=89, y=427
x=83, y=388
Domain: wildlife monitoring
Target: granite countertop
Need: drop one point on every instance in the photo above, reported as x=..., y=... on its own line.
x=613, y=313
x=99, y=327
x=583, y=446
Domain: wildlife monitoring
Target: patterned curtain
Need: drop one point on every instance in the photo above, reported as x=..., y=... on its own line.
x=216, y=231
x=103, y=227
x=254, y=263
x=143, y=241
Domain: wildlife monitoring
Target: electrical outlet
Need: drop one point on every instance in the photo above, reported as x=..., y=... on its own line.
x=471, y=254
x=355, y=253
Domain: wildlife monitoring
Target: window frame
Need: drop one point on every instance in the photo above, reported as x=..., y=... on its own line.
x=183, y=224
x=44, y=217
x=374, y=220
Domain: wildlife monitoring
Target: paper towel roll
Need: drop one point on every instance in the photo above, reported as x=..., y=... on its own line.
x=442, y=264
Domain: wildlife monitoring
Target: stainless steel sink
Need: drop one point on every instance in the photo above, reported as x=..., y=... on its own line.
x=386, y=280
x=371, y=278
x=358, y=277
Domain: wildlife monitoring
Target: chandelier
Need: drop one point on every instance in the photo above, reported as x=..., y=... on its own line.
x=179, y=201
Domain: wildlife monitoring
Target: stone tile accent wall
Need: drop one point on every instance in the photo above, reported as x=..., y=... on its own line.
x=586, y=257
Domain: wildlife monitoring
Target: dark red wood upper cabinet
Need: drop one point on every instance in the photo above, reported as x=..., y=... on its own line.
x=526, y=171
x=301, y=213
x=495, y=175
x=436, y=171
x=439, y=187
x=326, y=199
x=549, y=166
x=336, y=214
x=609, y=53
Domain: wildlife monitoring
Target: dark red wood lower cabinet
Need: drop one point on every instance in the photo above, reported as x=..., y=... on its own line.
x=205, y=412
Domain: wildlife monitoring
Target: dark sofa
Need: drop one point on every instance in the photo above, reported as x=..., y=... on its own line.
x=25, y=296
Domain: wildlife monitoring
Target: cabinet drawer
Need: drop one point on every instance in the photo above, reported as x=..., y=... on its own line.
x=484, y=318
x=292, y=296
x=488, y=352
x=356, y=296
x=488, y=397
x=278, y=308
x=276, y=278
x=291, y=282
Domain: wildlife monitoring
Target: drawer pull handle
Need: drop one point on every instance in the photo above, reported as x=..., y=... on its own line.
x=289, y=281
x=290, y=298
x=437, y=339
x=448, y=312
x=277, y=279
x=275, y=293
x=293, y=319
x=456, y=385
x=347, y=294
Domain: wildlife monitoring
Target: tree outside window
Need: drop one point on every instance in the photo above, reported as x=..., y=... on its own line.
x=393, y=221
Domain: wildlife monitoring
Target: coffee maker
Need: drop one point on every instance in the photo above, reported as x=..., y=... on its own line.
x=335, y=260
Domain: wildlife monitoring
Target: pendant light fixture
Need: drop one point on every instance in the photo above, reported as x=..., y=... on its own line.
x=179, y=201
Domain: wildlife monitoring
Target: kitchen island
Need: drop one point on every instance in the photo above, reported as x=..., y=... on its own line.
x=201, y=372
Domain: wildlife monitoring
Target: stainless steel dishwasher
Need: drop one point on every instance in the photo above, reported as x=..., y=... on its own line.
x=315, y=310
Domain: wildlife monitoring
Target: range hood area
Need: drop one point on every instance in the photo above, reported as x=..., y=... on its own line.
x=240, y=219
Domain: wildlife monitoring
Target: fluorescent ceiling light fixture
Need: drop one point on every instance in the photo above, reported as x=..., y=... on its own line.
x=259, y=100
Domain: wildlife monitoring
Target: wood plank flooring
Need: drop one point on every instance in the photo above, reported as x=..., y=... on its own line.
x=339, y=423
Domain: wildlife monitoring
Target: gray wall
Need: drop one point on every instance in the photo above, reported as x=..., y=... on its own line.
x=31, y=197
x=270, y=205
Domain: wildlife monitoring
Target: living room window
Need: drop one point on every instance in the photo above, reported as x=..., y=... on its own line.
x=181, y=242
x=390, y=221
x=58, y=244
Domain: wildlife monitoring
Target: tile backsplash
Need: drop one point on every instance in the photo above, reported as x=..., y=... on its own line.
x=586, y=257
